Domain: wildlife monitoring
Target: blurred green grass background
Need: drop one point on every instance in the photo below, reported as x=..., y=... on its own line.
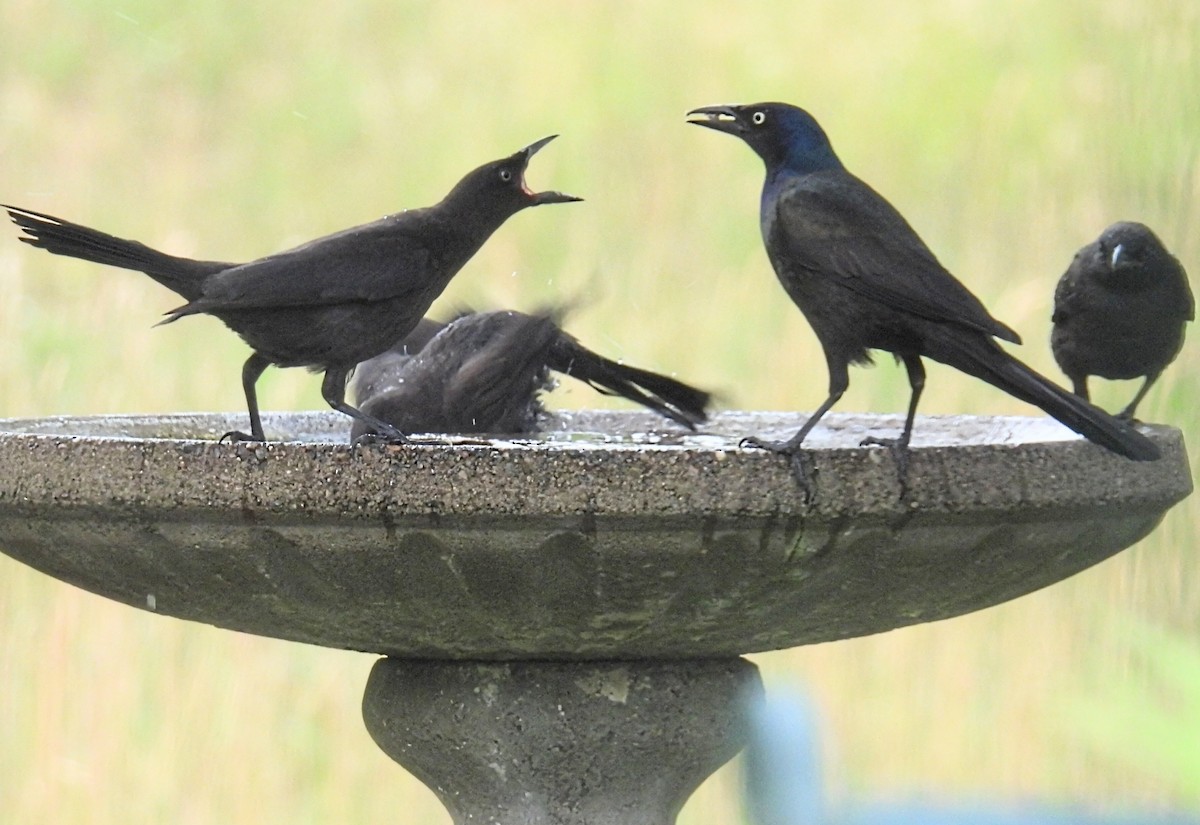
x=1009, y=134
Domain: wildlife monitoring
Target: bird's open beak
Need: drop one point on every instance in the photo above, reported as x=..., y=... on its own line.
x=533, y=148
x=539, y=198
x=721, y=118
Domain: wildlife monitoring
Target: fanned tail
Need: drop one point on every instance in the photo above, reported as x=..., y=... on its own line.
x=183, y=276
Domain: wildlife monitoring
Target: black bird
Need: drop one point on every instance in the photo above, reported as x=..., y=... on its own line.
x=332, y=302
x=1120, y=310
x=484, y=371
x=379, y=374
x=865, y=280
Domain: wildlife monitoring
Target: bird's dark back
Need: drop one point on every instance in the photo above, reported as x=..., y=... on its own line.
x=483, y=373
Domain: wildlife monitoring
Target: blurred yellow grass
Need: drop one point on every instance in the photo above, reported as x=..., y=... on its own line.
x=1009, y=134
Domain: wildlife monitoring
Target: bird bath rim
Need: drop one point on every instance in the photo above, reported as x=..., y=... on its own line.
x=569, y=550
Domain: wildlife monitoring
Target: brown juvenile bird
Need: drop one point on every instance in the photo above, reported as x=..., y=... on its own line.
x=1120, y=310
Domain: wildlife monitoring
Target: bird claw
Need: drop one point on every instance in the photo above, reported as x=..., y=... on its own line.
x=777, y=447
x=898, y=447
x=382, y=439
x=799, y=461
x=237, y=437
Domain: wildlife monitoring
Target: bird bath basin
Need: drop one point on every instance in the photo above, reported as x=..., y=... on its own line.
x=562, y=618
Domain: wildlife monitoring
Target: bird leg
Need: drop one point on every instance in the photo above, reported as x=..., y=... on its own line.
x=792, y=445
x=251, y=371
x=802, y=471
x=333, y=390
x=798, y=460
x=1127, y=413
x=898, y=447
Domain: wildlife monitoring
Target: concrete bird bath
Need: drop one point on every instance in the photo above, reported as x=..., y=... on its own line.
x=562, y=619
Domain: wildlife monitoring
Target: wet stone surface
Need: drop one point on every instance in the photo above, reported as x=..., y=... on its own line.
x=615, y=537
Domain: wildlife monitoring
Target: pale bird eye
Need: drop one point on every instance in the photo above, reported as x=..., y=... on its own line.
x=505, y=175
x=759, y=118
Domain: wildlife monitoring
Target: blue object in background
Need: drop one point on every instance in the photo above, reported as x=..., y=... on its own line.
x=782, y=784
x=781, y=766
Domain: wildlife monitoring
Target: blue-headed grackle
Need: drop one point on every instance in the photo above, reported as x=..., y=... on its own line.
x=865, y=280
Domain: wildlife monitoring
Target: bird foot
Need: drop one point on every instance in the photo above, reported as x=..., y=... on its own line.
x=382, y=439
x=1127, y=417
x=803, y=470
x=777, y=447
x=457, y=441
x=898, y=447
x=237, y=436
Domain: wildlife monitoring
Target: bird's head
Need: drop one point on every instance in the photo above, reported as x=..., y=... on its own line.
x=1127, y=248
x=784, y=136
x=500, y=185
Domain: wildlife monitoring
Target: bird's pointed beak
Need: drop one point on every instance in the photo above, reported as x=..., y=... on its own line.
x=532, y=149
x=721, y=118
x=539, y=198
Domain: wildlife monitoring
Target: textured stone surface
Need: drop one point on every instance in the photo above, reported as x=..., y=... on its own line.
x=541, y=743
x=588, y=545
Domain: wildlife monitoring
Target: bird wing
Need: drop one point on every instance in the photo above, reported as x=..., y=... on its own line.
x=1184, y=298
x=372, y=262
x=1067, y=288
x=835, y=225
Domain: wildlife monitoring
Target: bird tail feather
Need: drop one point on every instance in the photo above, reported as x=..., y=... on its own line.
x=983, y=358
x=181, y=275
x=671, y=399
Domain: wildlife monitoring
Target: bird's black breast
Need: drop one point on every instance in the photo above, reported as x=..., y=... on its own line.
x=1115, y=334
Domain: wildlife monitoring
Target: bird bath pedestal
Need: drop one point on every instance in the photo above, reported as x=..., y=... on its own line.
x=562, y=620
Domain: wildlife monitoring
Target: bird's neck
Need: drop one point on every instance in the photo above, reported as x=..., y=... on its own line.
x=475, y=215
x=778, y=177
x=467, y=222
x=464, y=227
x=785, y=169
x=794, y=157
